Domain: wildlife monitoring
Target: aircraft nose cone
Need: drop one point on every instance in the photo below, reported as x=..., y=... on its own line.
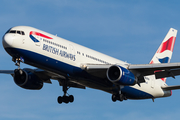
x=8, y=40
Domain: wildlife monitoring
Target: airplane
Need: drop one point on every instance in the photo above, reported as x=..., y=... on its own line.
x=73, y=65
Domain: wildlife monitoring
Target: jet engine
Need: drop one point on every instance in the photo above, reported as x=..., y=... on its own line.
x=120, y=75
x=27, y=79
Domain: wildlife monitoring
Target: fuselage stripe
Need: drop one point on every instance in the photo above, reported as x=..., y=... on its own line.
x=39, y=34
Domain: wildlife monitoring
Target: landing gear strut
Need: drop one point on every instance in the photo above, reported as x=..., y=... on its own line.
x=118, y=96
x=66, y=99
x=17, y=61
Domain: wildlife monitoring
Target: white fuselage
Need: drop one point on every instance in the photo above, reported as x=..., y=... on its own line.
x=69, y=55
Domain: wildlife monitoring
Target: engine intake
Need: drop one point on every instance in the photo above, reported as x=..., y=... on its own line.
x=120, y=75
x=27, y=79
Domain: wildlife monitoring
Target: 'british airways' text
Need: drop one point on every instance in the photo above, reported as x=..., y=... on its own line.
x=59, y=52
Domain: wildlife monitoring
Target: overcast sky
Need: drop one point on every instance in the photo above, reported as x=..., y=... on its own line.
x=128, y=30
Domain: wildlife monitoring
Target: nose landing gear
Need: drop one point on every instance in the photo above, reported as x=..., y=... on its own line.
x=18, y=61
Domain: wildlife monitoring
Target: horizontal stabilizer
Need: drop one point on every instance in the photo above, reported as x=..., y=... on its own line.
x=171, y=87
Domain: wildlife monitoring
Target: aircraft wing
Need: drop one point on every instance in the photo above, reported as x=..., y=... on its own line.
x=46, y=76
x=161, y=70
x=7, y=71
x=99, y=70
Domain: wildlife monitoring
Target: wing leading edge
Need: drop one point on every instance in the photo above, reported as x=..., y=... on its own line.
x=160, y=70
x=7, y=71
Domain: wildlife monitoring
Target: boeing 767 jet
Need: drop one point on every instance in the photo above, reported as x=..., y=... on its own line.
x=73, y=65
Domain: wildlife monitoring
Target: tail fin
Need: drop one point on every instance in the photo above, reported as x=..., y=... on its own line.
x=165, y=50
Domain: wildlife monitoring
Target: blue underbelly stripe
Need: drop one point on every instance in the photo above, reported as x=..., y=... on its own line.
x=133, y=93
x=40, y=60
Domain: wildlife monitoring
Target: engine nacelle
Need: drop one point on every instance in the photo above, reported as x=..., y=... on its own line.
x=122, y=76
x=27, y=79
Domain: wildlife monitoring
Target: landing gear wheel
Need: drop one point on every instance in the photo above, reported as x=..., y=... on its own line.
x=121, y=97
x=60, y=99
x=114, y=98
x=71, y=98
x=125, y=98
x=66, y=99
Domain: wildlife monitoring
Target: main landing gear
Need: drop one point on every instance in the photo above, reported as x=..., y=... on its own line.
x=66, y=99
x=119, y=97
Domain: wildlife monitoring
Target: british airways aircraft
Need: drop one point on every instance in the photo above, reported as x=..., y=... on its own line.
x=73, y=65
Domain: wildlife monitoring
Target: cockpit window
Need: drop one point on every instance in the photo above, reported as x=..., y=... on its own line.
x=12, y=31
x=16, y=32
x=22, y=32
x=19, y=32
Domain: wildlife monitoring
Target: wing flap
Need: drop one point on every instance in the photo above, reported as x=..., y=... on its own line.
x=154, y=67
x=160, y=70
x=167, y=73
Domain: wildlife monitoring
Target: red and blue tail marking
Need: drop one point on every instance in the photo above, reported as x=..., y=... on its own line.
x=165, y=50
x=167, y=45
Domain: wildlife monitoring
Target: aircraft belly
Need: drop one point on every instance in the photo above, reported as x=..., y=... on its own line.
x=40, y=61
x=47, y=63
x=143, y=91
